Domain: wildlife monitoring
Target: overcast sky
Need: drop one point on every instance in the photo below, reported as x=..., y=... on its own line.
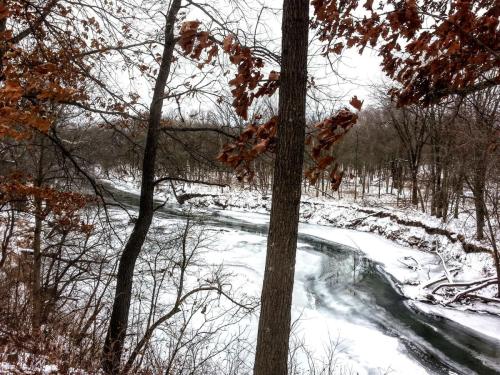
x=254, y=20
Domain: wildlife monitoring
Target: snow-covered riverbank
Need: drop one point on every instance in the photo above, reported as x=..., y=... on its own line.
x=342, y=299
x=405, y=243
x=409, y=269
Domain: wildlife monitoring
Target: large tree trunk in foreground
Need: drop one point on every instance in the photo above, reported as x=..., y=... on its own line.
x=119, y=317
x=276, y=299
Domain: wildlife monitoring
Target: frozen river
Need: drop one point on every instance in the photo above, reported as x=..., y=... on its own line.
x=342, y=296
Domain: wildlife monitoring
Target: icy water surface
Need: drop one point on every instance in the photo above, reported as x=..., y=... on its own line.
x=343, y=297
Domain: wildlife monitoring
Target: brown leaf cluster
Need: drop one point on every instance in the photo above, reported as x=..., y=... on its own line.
x=325, y=134
x=38, y=75
x=433, y=48
x=60, y=208
x=248, y=83
x=255, y=140
x=193, y=42
x=258, y=139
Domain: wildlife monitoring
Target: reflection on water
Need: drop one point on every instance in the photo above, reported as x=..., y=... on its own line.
x=342, y=269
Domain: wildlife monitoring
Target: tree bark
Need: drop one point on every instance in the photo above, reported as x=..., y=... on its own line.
x=37, y=303
x=115, y=337
x=414, y=185
x=37, y=268
x=478, y=190
x=276, y=299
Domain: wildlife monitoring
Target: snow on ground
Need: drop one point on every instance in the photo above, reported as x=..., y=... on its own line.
x=244, y=254
x=344, y=213
x=394, y=259
x=362, y=348
x=409, y=267
x=29, y=364
x=347, y=214
x=242, y=202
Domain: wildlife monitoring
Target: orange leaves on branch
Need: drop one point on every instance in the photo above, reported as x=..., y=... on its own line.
x=228, y=43
x=60, y=208
x=324, y=162
x=48, y=70
x=11, y=92
x=187, y=35
x=454, y=52
x=368, y=4
x=337, y=48
x=26, y=97
x=4, y=11
x=356, y=103
x=248, y=82
x=325, y=134
x=16, y=118
x=257, y=139
x=193, y=42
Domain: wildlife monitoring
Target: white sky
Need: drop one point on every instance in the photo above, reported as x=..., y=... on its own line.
x=259, y=20
x=357, y=72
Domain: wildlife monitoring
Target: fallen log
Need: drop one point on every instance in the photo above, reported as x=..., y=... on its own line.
x=464, y=293
x=463, y=284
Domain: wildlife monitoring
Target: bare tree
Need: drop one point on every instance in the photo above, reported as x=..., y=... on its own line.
x=119, y=317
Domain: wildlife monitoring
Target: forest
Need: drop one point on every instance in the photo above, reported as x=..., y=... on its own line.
x=216, y=187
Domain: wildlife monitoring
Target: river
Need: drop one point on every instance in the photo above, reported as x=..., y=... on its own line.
x=340, y=293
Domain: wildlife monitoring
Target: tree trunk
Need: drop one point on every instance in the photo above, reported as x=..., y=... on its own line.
x=115, y=337
x=458, y=190
x=495, y=254
x=379, y=180
x=414, y=186
x=480, y=216
x=363, y=182
x=438, y=188
x=276, y=300
x=37, y=303
x=37, y=270
x=478, y=189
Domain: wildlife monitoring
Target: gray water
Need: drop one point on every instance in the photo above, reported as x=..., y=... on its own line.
x=353, y=281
